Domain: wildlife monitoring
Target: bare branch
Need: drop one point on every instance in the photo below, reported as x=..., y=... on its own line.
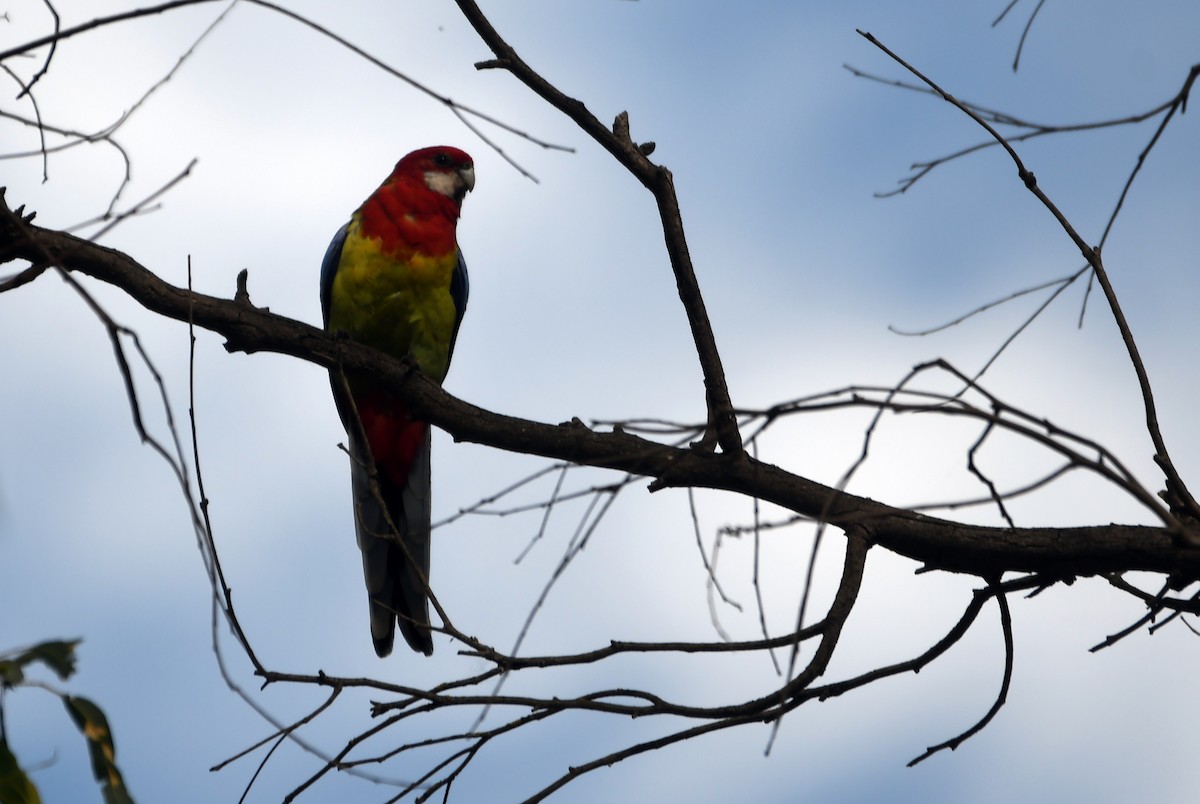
x=1175, y=483
x=1024, y=31
x=1029, y=129
x=942, y=543
x=658, y=180
x=1001, y=697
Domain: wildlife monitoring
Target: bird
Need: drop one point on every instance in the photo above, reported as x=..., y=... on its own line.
x=394, y=278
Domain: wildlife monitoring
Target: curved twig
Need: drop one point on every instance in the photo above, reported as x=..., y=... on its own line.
x=1001, y=697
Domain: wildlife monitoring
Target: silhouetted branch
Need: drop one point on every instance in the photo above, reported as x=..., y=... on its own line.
x=1024, y=31
x=1174, y=482
x=1001, y=697
x=943, y=543
x=658, y=180
x=1028, y=129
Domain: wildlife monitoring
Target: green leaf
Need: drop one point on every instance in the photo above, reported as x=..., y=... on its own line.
x=11, y=672
x=15, y=786
x=94, y=726
x=58, y=655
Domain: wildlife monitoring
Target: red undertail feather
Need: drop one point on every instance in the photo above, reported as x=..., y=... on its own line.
x=394, y=438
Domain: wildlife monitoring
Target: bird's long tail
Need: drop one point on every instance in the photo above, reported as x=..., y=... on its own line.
x=395, y=560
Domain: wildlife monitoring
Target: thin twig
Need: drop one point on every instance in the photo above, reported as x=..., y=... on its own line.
x=1001, y=697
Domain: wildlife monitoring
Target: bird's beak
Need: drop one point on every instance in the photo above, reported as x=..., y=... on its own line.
x=453, y=184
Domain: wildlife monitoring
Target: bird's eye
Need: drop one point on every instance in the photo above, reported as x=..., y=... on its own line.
x=442, y=160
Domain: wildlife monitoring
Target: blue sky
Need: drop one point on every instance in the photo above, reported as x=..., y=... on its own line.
x=777, y=152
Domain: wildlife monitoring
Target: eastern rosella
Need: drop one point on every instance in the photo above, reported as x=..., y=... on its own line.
x=394, y=278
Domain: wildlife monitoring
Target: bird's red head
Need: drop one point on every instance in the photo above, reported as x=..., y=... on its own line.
x=444, y=169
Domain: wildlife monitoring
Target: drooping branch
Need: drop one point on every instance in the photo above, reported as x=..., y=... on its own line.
x=938, y=543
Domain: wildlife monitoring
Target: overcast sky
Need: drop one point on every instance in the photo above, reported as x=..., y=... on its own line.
x=777, y=153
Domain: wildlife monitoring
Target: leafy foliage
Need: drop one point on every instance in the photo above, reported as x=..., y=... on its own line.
x=59, y=656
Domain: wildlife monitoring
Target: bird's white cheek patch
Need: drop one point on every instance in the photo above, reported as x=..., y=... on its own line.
x=444, y=183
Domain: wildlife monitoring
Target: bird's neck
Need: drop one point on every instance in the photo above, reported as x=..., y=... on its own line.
x=408, y=219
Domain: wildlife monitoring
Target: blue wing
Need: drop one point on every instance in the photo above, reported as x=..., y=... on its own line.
x=459, y=290
x=329, y=266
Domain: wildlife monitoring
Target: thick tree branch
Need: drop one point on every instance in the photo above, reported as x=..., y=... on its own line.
x=938, y=543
